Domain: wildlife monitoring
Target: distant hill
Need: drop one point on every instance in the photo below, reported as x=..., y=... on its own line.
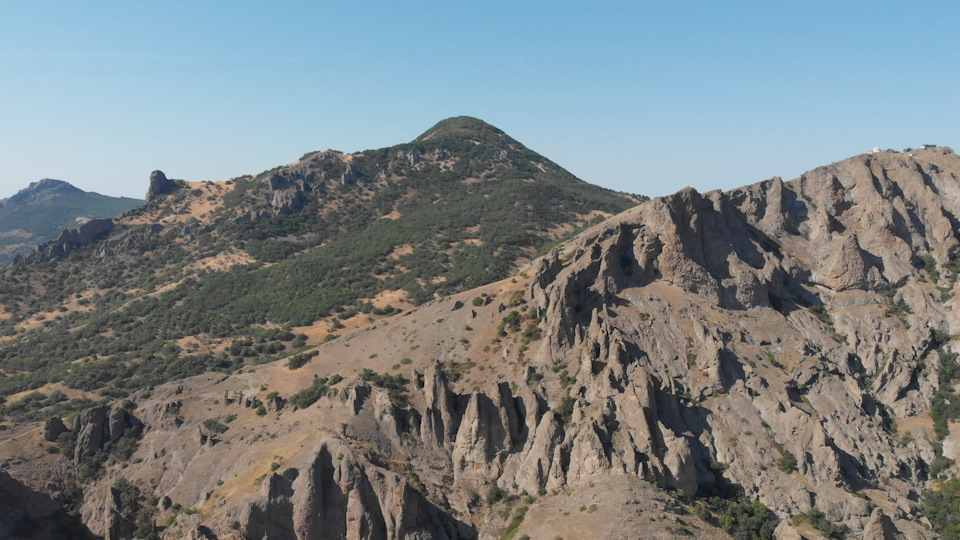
x=42, y=210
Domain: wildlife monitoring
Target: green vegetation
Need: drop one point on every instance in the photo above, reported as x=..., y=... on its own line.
x=829, y=530
x=213, y=425
x=132, y=509
x=511, y=530
x=311, y=394
x=942, y=508
x=37, y=406
x=930, y=265
x=565, y=409
x=495, y=494
x=456, y=370
x=946, y=402
x=820, y=312
x=740, y=519
x=299, y=360
x=787, y=462
x=395, y=385
x=940, y=464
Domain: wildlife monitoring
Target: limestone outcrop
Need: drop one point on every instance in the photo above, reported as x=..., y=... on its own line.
x=160, y=185
x=340, y=496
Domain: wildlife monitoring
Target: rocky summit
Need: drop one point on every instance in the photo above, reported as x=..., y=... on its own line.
x=775, y=361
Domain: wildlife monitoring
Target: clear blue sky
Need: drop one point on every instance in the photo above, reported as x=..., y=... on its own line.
x=640, y=97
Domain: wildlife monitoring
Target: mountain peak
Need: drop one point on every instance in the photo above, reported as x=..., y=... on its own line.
x=48, y=184
x=43, y=188
x=462, y=127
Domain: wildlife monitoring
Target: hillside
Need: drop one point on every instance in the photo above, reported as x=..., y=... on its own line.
x=42, y=210
x=216, y=275
x=779, y=357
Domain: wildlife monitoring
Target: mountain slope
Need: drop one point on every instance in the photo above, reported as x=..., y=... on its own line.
x=40, y=211
x=701, y=361
x=210, y=276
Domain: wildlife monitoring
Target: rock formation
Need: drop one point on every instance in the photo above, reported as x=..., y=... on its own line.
x=101, y=425
x=340, y=496
x=53, y=428
x=71, y=239
x=160, y=185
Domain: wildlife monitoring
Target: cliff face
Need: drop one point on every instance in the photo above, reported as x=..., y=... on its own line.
x=780, y=340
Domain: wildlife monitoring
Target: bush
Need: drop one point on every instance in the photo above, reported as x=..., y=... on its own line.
x=820, y=522
x=311, y=394
x=741, y=519
x=565, y=410
x=940, y=464
x=787, y=463
x=213, y=425
x=942, y=508
x=394, y=384
x=495, y=494
x=261, y=410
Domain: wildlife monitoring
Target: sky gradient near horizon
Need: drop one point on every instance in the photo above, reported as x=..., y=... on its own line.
x=639, y=97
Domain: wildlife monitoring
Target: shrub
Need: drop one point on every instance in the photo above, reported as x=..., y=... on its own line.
x=565, y=410
x=299, y=360
x=940, y=464
x=741, y=519
x=311, y=394
x=942, y=508
x=394, y=384
x=213, y=425
x=820, y=522
x=787, y=463
x=495, y=494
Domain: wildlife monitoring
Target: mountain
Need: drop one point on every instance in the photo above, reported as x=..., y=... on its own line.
x=775, y=360
x=42, y=210
x=210, y=275
x=786, y=342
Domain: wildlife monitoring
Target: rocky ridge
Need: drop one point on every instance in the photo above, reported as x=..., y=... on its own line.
x=766, y=341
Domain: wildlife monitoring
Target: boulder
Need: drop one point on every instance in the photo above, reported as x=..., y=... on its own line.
x=53, y=428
